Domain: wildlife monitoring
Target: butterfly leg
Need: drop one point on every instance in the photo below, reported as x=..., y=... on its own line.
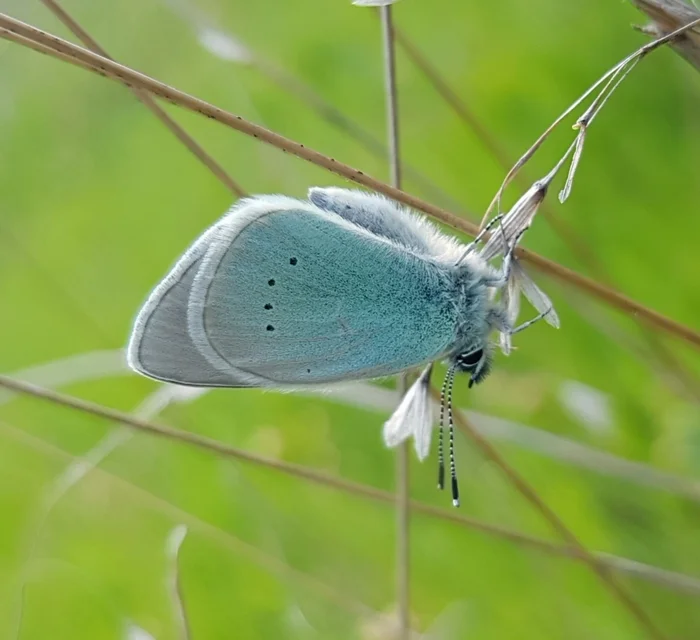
x=502, y=276
x=508, y=258
x=529, y=323
x=497, y=319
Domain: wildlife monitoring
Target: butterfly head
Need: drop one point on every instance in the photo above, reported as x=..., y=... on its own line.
x=476, y=362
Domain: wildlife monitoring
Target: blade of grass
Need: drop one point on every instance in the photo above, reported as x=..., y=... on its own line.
x=174, y=582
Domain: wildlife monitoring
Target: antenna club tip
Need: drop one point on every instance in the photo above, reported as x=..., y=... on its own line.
x=455, y=502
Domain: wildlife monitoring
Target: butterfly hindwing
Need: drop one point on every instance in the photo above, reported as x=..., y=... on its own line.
x=387, y=219
x=160, y=344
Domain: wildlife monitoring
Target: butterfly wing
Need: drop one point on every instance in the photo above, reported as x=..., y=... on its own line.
x=384, y=217
x=160, y=344
x=285, y=294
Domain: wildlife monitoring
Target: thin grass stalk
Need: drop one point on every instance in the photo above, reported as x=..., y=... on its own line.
x=369, y=398
x=531, y=495
x=143, y=96
x=487, y=140
x=605, y=80
x=224, y=538
x=652, y=574
x=573, y=240
x=105, y=67
x=403, y=452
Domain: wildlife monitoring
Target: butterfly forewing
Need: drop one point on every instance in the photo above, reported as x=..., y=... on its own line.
x=287, y=294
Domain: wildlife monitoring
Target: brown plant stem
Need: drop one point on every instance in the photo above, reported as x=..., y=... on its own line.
x=529, y=493
x=102, y=66
x=677, y=581
x=224, y=538
x=566, y=232
x=145, y=97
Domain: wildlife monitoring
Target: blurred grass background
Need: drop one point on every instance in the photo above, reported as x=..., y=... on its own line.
x=97, y=199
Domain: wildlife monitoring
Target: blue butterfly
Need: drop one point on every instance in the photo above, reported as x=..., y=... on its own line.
x=286, y=293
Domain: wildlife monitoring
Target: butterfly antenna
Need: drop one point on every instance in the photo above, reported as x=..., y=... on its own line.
x=472, y=245
x=450, y=422
x=441, y=450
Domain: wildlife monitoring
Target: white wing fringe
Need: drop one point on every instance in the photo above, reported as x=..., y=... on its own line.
x=413, y=417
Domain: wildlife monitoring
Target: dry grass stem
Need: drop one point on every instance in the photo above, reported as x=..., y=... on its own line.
x=667, y=16
x=671, y=369
x=105, y=67
x=145, y=97
x=224, y=538
x=666, y=365
x=649, y=573
x=368, y=397
x=403, y=452
x=529, y=493
x=609, y=81
x=577, y=245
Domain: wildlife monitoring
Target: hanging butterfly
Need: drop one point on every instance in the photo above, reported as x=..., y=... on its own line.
x=348, y=285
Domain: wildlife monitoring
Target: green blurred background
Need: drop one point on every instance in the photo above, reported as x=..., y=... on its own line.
x=97, y=199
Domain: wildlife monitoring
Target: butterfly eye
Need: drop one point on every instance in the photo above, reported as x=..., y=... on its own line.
x=467, y=361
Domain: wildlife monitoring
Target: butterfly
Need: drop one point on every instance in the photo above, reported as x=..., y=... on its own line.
x=347, y=285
